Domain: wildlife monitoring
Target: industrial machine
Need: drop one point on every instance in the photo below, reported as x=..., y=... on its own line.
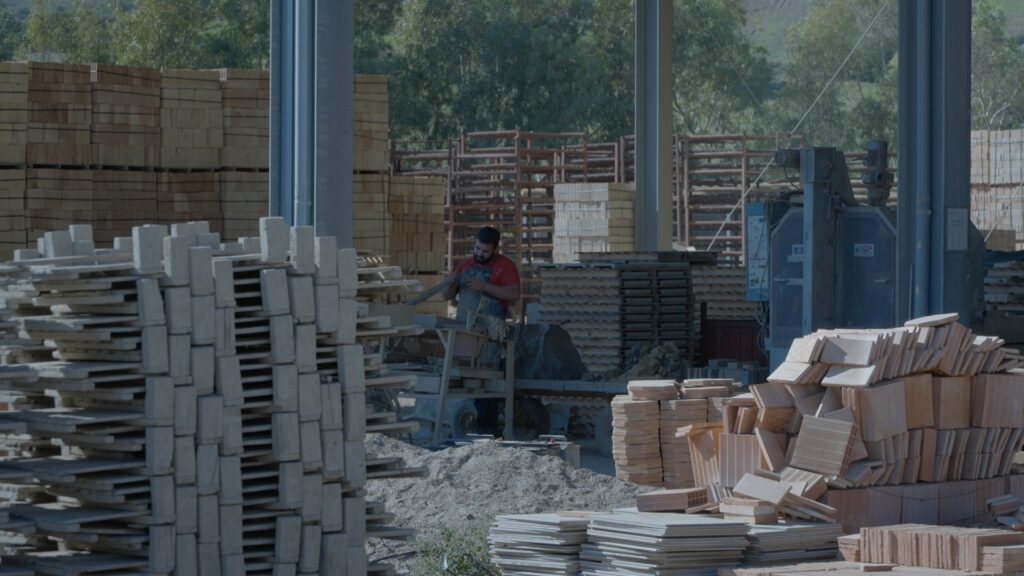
x=819, y=257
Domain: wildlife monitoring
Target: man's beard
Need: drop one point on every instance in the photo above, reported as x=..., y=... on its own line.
x=482, y=260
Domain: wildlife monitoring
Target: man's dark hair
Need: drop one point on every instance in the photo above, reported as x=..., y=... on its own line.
x=489, y=235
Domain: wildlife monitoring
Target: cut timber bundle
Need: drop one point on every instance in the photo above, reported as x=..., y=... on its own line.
x=246, y=107
x=59, y=114
x=370, y=124
x=645, y=423
x=592, y=217
x=125, y=123
x=530, y=544
x=201, y=409
x=665, y=543
x=191, y=121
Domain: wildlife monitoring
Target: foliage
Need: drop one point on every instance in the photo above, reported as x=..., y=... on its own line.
x=12, y=30
x=462, y=552
x=997, y=71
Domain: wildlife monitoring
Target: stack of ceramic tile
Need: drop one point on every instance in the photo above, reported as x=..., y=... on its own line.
x=370, y=124
x=13, y=113
x=12, y=209
x=592, y=217
x=661, y=543
x=191, y=121
x=52, y=197
x=418, y=241
x=636, y=425
x=125, y=115
x=1004, y=288
x=192, y=195
x=724, y=290
x=675, y=451
x=246, y=102
x=585, y=301
x=243, y=201
x=530, y=544
x=792, y=541
x=943, y=547
x=211, y=404
x=123, y=199
x=59, y=115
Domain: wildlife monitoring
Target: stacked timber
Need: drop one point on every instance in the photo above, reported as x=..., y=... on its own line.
x=59, y=114
x=370, y=127
x=125, y=120
x=530, y=544
x=246, y=106
x=647, y=543
x=191, y=121
x=198, y=407
x=592, y=217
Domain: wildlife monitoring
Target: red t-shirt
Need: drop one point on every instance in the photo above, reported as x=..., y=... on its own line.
x=500, y=271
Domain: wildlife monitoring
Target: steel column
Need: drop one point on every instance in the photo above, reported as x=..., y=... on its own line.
x=311, y=104
x=934, y=232
x=653, y=124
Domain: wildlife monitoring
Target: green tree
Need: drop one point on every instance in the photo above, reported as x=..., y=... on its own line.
x=238, y=34
x=997, y=71
x=861, y=103
x=159, y=33
x=12, y=33
x=49, y=31
x=90, y=34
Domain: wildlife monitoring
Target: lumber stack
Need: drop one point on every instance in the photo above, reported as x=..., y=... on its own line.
x=191, y=120
x=592, y=217
x=125, y=123
x=246, y=108
x=59, y=115
x=13, y=113
x=370, y=124
x=645, y=423
x=529, y=544
x=648, y=543
x=202, y=409
x=244, y=199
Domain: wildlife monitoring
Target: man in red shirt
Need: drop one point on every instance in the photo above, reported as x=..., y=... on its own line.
x=488, y=282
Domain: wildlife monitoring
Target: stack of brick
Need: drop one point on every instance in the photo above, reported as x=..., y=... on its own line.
x=12, y=210
x=210, y=404
x=13, y=113
x=189, y=195
x=246, y=102
x=417, y=238
x=121, y=200
x=244, y=199
x=592, y=217
x=370, y=127
x=191, y=120
x=125, y=120
x=59, y=115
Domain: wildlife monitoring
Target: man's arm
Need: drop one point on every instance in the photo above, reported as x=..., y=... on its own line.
x=453, y=288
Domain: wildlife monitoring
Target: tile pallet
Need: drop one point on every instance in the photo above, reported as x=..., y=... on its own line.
x=125, y=123
x=530, y=543
x=371, y=125
x=59, y=115
x=191, y=119
x=233, y=402
x=592, y=217
x=246, y=109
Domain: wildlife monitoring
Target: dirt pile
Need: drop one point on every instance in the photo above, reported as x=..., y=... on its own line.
x=471, y=484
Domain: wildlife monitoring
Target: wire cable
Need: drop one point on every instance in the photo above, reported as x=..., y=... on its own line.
x=799, y=123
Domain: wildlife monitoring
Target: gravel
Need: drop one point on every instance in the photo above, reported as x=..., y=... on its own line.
x=470, y=485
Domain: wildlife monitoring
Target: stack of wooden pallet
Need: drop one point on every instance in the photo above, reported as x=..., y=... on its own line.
x=125, y=116
x=243, y=201
x=592, y=217
x=210, y=413
x=646, y=543
x=370, y=128
x=191, y=121
x=59, y=114
x=13, y=113
x=530, y=544
x=246, y=102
